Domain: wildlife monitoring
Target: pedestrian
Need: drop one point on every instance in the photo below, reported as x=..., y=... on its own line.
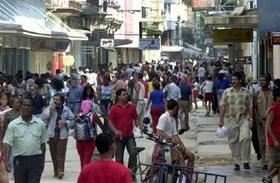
x=26, y=138
x=74, y=96
x=263, y=101
x=105, y=170
x=85, y=148
x=185, y=103
x=207, y=88
x=38, y=101
x=221, y=84
x=105, y=97
x=156, y=98
x=195, y=93
x=166, y=130
x=273, y=138
x=122, y=119
x=139, y=97
x=236, y=114
x=59, y=120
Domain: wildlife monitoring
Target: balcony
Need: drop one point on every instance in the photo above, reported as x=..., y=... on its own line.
x=63, y=7
x=170, y=1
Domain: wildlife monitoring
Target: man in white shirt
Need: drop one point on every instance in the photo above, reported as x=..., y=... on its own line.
x=166, y=129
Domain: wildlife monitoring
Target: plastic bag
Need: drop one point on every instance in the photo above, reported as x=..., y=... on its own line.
x=137, y=132
x=222, y=132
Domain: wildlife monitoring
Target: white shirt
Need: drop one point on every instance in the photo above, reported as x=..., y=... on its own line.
x=208, y=86
x=167, y=124
x=141, y=95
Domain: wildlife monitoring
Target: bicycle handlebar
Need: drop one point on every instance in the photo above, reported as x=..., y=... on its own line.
x=161, y=142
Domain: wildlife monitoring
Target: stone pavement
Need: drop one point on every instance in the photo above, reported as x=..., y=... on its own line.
x=212, y=153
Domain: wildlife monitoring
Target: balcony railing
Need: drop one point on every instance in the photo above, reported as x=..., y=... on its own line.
x=54, y=4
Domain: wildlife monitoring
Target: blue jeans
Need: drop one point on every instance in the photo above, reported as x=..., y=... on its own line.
x=28, y=169
x=105, y=105
x=129, y=143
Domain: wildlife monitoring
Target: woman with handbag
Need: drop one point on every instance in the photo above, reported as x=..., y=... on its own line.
x=85, y=144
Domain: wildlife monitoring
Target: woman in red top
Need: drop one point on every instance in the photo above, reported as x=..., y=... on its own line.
x=273, y=138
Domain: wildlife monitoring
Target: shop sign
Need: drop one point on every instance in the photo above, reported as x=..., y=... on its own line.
x=107, y=43
x=275, y=38
x=49, y=45
x=146, y=44
x=243, y=60
x=232, y=35
x=203, y=4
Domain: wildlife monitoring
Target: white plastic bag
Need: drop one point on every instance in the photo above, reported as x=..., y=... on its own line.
x=137, y=132
x=222, y=132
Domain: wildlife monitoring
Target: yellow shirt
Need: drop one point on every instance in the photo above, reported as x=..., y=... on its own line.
x=26, y=138
x=237, y=104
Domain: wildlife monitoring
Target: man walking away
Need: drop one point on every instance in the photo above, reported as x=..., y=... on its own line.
x=105, y=170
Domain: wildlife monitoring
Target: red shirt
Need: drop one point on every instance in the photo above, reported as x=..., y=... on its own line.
x=275, y=125
x=123, y=117
x=105, y=171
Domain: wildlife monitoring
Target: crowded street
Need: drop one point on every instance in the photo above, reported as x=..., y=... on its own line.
x=139, y=91
x=213, y=153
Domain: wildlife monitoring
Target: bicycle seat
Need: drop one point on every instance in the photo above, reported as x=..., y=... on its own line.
x=139, y=149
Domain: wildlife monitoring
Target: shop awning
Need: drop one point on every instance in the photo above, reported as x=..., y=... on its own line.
x=16, y=20
x=171, y=48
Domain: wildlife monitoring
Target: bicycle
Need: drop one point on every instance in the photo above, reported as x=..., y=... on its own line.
x=153, y=172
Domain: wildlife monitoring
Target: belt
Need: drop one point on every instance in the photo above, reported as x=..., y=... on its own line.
x=29, y=156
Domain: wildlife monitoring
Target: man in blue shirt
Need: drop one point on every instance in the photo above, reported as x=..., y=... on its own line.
x=75, y=96
x=185, y=103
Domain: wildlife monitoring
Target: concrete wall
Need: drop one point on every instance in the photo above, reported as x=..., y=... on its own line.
x=39, y=62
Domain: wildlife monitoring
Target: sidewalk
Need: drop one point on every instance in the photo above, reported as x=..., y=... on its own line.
x=213, y=154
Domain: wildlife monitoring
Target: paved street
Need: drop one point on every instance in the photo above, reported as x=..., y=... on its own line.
x=212, y=153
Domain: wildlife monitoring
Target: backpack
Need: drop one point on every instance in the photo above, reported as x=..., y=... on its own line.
x=85, y=127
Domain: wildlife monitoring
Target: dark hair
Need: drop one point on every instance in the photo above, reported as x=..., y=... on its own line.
x=120, y=91
x=156, y=85
x=103, y=142
x=266, y=78
x=85, y=94
x=140, y=75
x=171, y=104
x=57, y=84
x=28, y=97
x=276, y=93
x=84, y=77
x=238, y=75
x=61, y=96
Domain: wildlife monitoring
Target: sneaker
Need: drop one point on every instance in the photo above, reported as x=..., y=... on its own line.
x=246, y=166
x=181, y=131
x=236, y=167
x=267, y=179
